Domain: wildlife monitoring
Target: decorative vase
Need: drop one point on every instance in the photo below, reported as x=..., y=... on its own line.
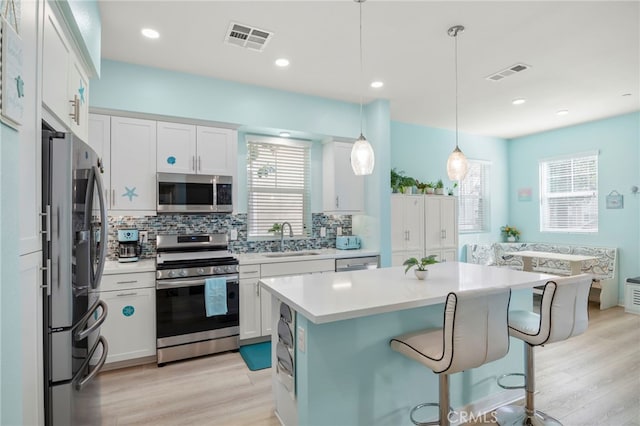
x=421, y=275
x=439, y=191
x=429, y=190
x=511, y=239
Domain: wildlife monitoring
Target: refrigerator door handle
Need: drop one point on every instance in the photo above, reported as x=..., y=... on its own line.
x=95, y=370
x=81, y=335
x=104, y=229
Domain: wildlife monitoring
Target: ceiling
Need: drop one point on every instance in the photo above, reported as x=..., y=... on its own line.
x=583, y=56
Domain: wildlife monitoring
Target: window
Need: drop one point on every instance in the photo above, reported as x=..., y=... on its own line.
x=569, y=194
x=473, y=200
x=278, y=185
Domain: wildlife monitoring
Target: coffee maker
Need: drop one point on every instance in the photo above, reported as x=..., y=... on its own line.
x=128, y=247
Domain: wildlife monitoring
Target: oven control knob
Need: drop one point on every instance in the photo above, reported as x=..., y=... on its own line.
x=200, y=271
x=218, y=269
x=172, y=274
x=231, y=268
x=183, y=273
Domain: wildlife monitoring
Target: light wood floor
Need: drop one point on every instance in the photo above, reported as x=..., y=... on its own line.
x=593, y=379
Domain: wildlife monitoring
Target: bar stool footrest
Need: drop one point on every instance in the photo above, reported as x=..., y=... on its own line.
x=515, y=415
x=499, y=381
x=418, y=407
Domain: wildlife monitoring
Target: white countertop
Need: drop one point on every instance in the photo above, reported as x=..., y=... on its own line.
x=255, y=258
x=114, y=267
x=336, y=296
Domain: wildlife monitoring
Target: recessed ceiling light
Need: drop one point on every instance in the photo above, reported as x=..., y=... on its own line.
x=377, y=84
x=149, y=33
x=518, y=101
x=285, y=134
x=282, y=62
x=562, y=112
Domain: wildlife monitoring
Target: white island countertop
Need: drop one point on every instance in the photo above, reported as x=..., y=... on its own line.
x=337, y=296
x=295, y=256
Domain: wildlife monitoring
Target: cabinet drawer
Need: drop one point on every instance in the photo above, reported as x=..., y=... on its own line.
x=297, y=268
x=126, y=281
x=249, y=271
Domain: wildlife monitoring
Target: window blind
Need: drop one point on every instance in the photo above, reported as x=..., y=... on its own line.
x=569, y=194
x=473, y=200
x=278, y=181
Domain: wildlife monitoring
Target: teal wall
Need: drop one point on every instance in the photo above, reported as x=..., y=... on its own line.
x=10, y=296
x=83, y=16
x=618, y=141
x=422, y=152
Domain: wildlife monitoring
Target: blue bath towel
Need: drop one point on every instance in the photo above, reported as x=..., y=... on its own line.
x=215, y=296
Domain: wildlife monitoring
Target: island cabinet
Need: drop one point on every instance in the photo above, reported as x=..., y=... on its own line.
x=407, y=227
x=441, y=227
x=343, y=191
x=186, y=148
x=344, y=371
x=255, y=302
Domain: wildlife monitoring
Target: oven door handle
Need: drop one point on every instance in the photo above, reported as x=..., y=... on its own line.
x=177, y=283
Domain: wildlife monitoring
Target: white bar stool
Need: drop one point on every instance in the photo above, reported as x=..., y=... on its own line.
x=563, y=314
x=474, y=333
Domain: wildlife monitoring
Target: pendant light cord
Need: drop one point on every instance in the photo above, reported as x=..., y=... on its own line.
x=361, y=73
x=456, y=74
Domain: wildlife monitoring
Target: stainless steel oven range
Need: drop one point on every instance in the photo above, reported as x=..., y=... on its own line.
x=183, y=329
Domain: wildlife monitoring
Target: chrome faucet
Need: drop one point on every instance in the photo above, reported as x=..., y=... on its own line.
x=282, y=234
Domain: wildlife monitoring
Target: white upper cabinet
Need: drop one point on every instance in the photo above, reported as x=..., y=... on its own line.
x=176, y=148
x=133, y=164
x=343, y=191
x=185, y=148
x=65, y=84
x=100, y=141
x=217, y=151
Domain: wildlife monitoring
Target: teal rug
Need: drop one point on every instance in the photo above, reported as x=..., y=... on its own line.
x=257, y=356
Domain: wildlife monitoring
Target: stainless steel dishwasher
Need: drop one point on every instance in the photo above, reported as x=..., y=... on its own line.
x=357, y=263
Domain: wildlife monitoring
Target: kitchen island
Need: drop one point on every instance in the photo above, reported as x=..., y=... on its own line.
x=344, y=372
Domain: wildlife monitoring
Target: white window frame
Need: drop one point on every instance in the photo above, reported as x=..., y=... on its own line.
x=475, y=195
x=256, y=226
x=582, y=204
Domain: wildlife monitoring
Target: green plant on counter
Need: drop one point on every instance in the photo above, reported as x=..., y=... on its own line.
x=439, y=184
x=276, y=228
x=420, y=264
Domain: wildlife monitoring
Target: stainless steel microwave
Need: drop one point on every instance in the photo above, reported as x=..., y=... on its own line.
x=183, y=193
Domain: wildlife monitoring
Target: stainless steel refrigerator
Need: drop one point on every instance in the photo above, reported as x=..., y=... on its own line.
x=75, y=242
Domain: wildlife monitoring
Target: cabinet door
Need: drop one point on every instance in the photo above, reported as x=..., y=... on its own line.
x=250, y=320
x=398, y=231
x=133, y=164
x=100, y=140
x=31, y=331
x=217, y=151
x=342, y=190
x=130, y=327
x=449, y=222
x=55, y=68
x=433, y=227
x=450, y=255
x=176, y=148
x=78, y=95
x=413, y=220
x=265, y=312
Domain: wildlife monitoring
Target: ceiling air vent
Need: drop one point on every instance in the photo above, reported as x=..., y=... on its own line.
x=514, y=69
x=246, y=36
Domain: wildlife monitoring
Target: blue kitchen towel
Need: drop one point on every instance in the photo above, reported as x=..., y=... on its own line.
x=215, y=296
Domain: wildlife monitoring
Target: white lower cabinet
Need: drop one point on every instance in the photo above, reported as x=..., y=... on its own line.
x=130, y=327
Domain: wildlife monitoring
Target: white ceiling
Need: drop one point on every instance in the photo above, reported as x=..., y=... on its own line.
x=584, y=56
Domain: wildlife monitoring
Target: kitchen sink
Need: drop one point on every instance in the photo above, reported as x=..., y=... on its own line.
x=291, y=253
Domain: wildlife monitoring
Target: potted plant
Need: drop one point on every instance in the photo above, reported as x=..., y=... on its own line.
x=421, y=270
x=276, y=228
x=407, y=184
x=396, y=180
x=450, y=190
x=510, y=233
x=430, y=188
x=422, y=187
x=439, y=187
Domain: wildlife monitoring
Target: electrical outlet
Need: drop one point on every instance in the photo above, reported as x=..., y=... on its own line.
x=302, y=344
x=233, y=234
x=143, y=236
x=339, y=230
x=323, y=231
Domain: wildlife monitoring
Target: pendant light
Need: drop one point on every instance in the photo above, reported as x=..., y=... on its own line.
x=362, y=157
x=457, y=163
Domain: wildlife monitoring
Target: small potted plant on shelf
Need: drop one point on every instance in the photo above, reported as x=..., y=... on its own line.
x=430, y=188
x=439, y=187
x=407, y=184
x=421, y=186
x=421, y=270
x=510, y=233
x=396, y=180
x=450, y=190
